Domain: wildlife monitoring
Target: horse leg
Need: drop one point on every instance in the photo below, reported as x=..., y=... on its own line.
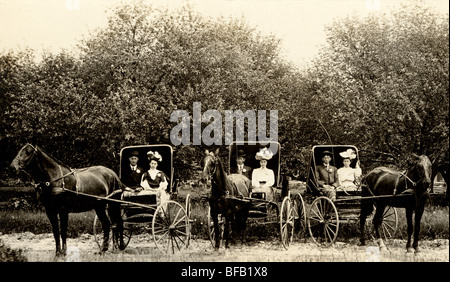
x=101, y=213
x=366, y=209
x=409, y=215
x=215, y=218
x=53, y=217
x=417, y=218
x=226, y=231
x=377, y=220
x=117, y=222
x=64, y=219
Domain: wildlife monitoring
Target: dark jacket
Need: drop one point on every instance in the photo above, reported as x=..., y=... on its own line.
x=132, y=179
x=324, y=176
x=247, y=171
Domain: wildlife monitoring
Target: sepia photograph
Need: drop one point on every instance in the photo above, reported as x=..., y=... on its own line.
x=224, y=135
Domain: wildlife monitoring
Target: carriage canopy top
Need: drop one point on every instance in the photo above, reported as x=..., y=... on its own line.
x=166, y=152
x=336, y=160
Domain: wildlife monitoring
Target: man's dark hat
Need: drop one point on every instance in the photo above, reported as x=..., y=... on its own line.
x=241, y=153
x=134, y=153
x=324, y=153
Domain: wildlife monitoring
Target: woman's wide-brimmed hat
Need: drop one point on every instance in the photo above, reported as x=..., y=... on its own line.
x=349, y=154
x=154, y=156
x=264, y=154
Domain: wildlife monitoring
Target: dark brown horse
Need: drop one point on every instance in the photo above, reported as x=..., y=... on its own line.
x=408, y=190
x=61, y=190
x=225, y=193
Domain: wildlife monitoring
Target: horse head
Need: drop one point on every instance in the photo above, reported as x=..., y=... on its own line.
x=24, y=157
x=208, y=163
x=423, y=168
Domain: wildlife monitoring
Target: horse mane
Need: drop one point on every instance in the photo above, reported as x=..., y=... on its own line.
x=47, y=155
x=222, y=177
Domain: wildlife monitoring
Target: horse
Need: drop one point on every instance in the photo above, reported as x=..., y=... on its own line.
x=225, y=193
x=63, y=190
x=409, y=190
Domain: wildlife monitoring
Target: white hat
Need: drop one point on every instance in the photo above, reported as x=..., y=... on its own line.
x=349, y=154
x=154, y=156
x=264, y=154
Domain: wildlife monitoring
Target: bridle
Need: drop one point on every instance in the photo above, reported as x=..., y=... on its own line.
x=22, y=167
x=47, y=183
x=211, y=173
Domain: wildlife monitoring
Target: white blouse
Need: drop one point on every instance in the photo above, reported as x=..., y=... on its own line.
x=348, y=175
x=260, y=175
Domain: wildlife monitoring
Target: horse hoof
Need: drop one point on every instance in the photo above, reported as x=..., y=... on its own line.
x=409, y=250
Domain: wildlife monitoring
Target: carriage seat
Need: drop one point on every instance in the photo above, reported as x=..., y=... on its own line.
x=258, y=195
x=148, y=199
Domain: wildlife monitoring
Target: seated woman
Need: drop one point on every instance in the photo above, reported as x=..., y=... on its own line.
x=347, y=176
x=263, y=178
x=155, y=181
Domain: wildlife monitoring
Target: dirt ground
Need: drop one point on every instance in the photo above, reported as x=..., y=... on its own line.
x=40, y=248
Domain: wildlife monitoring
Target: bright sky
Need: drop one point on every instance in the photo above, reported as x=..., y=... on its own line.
x=53, y=25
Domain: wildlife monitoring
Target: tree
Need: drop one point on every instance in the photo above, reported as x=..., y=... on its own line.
x=385, y=80
x=132, y=74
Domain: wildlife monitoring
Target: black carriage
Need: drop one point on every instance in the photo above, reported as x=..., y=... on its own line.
x=325, y=216
x=284, y=209
x=168, y=224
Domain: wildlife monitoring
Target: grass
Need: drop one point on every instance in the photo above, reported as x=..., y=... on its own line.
x=434, y=224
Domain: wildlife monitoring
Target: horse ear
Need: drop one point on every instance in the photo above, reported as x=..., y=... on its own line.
x=206, y=151
x=415, y=155
x=217, y=152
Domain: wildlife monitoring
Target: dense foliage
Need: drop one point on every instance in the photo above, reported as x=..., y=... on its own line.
x=380, y=83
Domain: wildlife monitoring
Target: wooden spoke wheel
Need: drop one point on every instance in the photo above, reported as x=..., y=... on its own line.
x=287, y=222
x=299, y=215
x=211, y=233
x=98, y=234
x=170, y=227
x=323, y=221
x=388, y=226
x=188, y=208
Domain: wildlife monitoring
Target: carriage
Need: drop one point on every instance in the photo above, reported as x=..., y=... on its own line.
x=284, y=209
x=325, y=216
x=168, y=224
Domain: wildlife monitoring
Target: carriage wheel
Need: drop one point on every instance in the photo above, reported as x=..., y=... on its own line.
x=323, y=221
x=388, y=226
x=211, y=234
x=170, y=227
x=299, y=215
x=287, y=222
x=188, y=208
x=98, y=234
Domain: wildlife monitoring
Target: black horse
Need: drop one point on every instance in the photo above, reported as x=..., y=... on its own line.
x=224, y=199
x=59, y=187
x=409, y=190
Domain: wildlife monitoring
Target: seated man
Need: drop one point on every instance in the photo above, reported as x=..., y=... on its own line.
x=132, y=173
x=263, y=178
x=326, y=176
x=347, y=176
x=240, y=167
